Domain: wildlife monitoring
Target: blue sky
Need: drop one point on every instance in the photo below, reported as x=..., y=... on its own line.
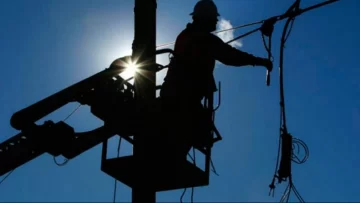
x=48, y=45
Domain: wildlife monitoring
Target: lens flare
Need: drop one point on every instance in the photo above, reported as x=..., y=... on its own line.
x=131, y=69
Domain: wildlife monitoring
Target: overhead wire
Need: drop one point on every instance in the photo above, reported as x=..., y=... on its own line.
x=238, y=27
x=243, y=35
x=216, y=32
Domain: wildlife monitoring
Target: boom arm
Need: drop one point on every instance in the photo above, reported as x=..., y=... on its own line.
x=110, y=98
x=99, y=91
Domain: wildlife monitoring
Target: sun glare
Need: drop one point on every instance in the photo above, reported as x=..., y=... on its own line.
x=131, y=69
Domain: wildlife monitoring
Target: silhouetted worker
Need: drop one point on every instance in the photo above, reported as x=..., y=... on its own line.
x=190, y=74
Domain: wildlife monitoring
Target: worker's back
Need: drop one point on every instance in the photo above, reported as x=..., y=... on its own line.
x=191, y=70
x=190, y=75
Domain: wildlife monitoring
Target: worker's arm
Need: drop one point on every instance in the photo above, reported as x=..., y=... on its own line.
x=228, y=55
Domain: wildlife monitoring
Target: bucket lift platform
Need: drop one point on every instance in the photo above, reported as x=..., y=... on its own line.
x=162, y=177
x=161, y=166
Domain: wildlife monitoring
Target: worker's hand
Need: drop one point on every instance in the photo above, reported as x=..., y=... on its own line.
x=268, y=64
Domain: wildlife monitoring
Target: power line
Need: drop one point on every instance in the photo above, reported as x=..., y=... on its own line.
x=216, y=32
x=238, y=27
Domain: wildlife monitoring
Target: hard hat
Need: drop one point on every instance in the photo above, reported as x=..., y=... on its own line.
x=205, y=8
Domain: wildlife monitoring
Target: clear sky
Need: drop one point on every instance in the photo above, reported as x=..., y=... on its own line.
x=47, y=45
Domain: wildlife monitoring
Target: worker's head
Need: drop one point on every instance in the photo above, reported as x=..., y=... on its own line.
x=206, y=14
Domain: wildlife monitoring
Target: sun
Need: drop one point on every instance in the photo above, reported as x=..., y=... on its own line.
x=131, y=69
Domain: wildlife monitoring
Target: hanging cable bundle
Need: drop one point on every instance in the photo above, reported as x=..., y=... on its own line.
x=283, y=169
x=288, y=145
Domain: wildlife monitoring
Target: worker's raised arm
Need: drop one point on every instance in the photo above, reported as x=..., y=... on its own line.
x=231, y=56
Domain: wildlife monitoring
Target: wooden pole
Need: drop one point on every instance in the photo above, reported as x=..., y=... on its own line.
x=144, y=47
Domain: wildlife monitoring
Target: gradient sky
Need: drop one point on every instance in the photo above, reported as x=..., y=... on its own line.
x=47, y=45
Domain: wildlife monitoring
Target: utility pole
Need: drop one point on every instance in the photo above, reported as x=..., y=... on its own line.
x=144, y=47
x=145, y=172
